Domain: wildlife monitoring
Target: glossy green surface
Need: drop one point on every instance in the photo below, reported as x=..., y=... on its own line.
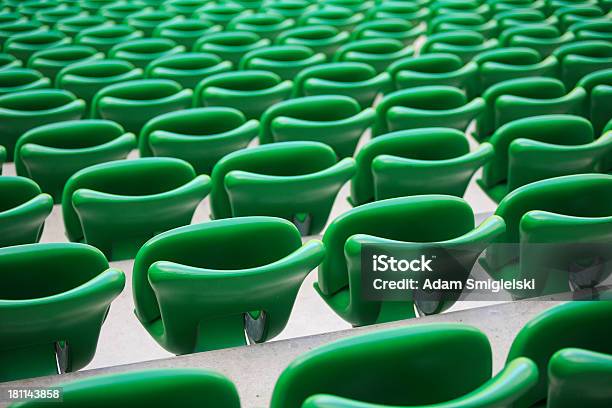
x=185, y=32
x=297, y=181
x=284, y=60
x=464, y=44
x=500, y=391
x=40, y=330
x=187, y=68
x=581, y=58
x=542, y=38
x=502, y=64
x=426, y=106
x=104, y=37
x=412, y=223
x=193, y=294
x=249, y=91
x=200, y=136
x=23, y=46
x=230, y=46
x=23, y=210
x=71, y=26
x=8, y=61
x=21, y=79
x=134, y=103
x=582, y=324
x=50, y=154
x=524, y=97
x=337, y=121
x=51, y=61
x=319, y=38
x=117, y=206
x=598, y=86
x=579, y=377
x=87, y=78
x=22, y=111
x=2, y=157
x=344, y=19
x=376, y=52
x=547, y=222
x=403, y=366
x=463, y=21
x=220, y=13
x=435, y=69
x=405, y=31
x=414, y=162
x=142, y=51
x=266, y=25
x=191, y=388
x=541, y=147
x=355, y=79
x=147, y=21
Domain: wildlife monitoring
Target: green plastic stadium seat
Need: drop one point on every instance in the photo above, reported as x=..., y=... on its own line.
x=509, y=15
x=87, y=78
x=404, y=367
x=579, y=377
x=319, y=38
x=287, y=8
x=118, y=12
x=8, y=61
x=188, y=387
x=579, y=13
x=426, y=106
x=21, y=79
x=220, y=13
x=24, y=45
x=51, y=61
x=412, y=224
x=402, y=9
x=230, y=46
x=414, y=162
x=52, y=15
x=2, y=157
x=355, y=79
x=71, y=26
x=44, y=284
x=284, y=60
x=265, y=24
x=117, y=206
x=297, y=181
x=598, y=86
x=581, y=58
x=13, y=28
x=435, y=69
x=554, y=236
x=593, y=30
x=506, y=63
x=200, y=136
x=249, y=91
x=445, y=7
x=377, y=52
x=134, y=103
x=344, y=19
x=523, y=97
x=147, y=21
x=50, y=154
x=582, y=324
x=142, y=51
x=185, y=32
x=464, y=44
x=193, y=294
x=463, y=21
x=335, y=120
x=23, y=210
x=358, y=6
x=541, y=147
x=542, y=38
x=22, y=111
x=187, y=68
x=104, y=37
x=394, y=28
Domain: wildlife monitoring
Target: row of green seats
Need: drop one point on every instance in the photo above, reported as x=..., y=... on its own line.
x=560, y=359
x=263, y=95
x=189, y=287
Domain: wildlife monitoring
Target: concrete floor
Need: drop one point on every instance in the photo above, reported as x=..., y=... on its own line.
x=123, y=340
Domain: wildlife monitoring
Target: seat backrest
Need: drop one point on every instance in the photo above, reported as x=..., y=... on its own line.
x=413, y=365
x=579, y=378
x=429, y=218
x=189, y=388
x=564, y=130
x=582, y=324
x=581, y=195
x=191, y=278
x=420, y=144
x=43, y=284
